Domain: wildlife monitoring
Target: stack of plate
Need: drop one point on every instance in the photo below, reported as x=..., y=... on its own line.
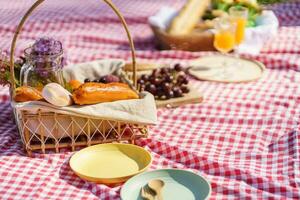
x=116, y=163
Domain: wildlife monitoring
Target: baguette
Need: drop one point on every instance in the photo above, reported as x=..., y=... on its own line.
x=188, y=17
x=74, y=84
x=92, y=93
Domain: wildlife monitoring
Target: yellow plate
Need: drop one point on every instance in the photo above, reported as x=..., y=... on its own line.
x=110, y=163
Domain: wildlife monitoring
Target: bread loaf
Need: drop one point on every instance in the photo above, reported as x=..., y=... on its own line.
x=74, y=84
x=92, y=93
x=26, y=93
x=188, y=17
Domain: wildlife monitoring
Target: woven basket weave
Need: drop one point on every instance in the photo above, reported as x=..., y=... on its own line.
x=80, y=131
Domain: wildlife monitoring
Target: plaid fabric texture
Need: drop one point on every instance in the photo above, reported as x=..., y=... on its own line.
x=244, y=138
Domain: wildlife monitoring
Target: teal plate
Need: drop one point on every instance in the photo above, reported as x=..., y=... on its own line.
x=179, y=185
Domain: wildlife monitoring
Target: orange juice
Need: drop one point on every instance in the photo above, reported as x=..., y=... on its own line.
x=224, y=41
x=240, y=30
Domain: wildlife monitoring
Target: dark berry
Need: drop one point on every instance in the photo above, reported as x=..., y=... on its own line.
x=158, y=81
x=141, y=81
x=87, y=80
x=185, y=81
x=164, y=70
x=182, y=79
x=178, y=67
x=169, y=79
x=185, y=89
x=109, y=79
x=177, y=92
x=170, y=94
x=155, y=81
x=145, y=77
x=154, y=72
x=142, y=88
x=151, y=88
x=102, y=79
x=166, y=87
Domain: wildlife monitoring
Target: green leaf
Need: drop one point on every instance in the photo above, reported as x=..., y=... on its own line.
x=208, y=15
x=251, y=23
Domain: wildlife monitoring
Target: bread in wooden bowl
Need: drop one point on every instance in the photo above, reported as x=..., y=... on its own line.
x=196, y=41
x=184, y=31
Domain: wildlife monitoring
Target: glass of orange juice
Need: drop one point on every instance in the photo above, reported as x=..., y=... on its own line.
x=224, y=41
x=239, y=16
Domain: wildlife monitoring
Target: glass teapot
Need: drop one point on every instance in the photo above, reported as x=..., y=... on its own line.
x=44, y=63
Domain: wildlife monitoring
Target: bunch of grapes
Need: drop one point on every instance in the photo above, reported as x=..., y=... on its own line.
x=165, y=83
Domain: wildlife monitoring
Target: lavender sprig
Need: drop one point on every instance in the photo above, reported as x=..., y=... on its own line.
x=47, y=46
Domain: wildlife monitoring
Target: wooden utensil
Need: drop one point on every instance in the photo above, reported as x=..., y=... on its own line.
x=157, y=185
x=147, y=194
x=141, y=66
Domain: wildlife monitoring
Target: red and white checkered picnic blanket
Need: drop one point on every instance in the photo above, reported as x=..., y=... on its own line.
x=244, y=138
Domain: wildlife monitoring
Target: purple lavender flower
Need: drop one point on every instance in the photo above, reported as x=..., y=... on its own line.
x=47, y=46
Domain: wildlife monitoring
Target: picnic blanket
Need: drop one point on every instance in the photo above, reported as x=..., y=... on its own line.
x=244, y=138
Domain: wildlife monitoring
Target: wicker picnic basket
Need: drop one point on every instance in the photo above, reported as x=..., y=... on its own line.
x=90, y=132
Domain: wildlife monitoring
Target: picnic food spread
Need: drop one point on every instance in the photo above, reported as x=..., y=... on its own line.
x=210, y=139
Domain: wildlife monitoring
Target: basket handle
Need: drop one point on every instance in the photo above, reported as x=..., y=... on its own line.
x=28, y=13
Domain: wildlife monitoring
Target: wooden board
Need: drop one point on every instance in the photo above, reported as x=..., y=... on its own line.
x=194, y=96
x=142, y=66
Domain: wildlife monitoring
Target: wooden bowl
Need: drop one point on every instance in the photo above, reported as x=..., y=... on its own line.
x=196, y=41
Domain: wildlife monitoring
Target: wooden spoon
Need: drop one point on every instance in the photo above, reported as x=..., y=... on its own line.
x=146, y=194
x=157, y=185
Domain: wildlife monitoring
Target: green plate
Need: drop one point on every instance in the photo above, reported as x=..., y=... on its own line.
x=179, y=185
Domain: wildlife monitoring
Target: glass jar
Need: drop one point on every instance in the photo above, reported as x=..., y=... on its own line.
x=41, y=69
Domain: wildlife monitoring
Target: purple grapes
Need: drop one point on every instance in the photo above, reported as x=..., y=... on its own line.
x=166, y=82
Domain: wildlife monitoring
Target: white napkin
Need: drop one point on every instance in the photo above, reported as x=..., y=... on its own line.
x=163, y=17
x=255, y=37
